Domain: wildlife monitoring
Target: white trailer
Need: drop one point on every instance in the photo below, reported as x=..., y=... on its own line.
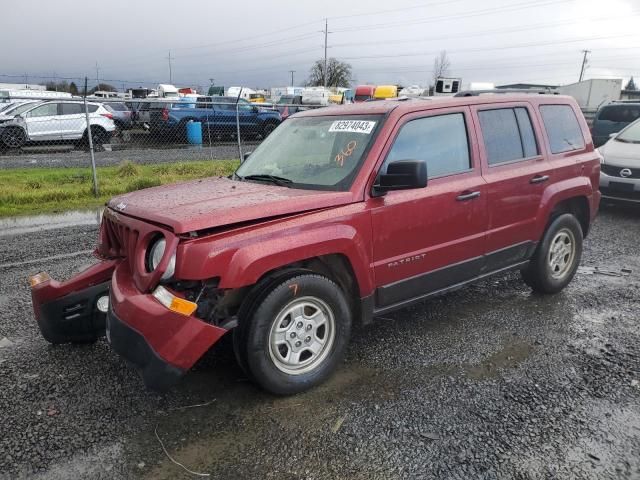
x=242, y=92
x=17, y=95
x=316, y=96
x=277, y=92
x=590, y=94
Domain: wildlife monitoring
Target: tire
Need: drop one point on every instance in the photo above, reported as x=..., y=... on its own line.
x=293, y=334
x=13, y=137
x=550, y=272
x=268, y=128
x=99, y=136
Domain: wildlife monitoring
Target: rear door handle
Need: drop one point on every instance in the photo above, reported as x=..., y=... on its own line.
x=539, y=179
x=464, y=196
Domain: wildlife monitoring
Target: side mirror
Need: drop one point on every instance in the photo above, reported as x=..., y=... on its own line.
x=246, y=155
x=402, y=175
x=255, y=109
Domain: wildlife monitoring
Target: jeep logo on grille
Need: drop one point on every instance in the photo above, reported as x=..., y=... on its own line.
x=625, y=172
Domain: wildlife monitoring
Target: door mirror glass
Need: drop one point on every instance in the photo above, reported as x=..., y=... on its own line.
x=402, y=175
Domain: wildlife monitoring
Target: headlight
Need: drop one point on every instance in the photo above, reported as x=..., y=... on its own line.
x=155, y=255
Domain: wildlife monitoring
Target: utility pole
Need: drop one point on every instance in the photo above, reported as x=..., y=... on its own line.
x=97, y=75
x=292, y=72
x=326, y=35
x=584, y=63
x=170, y=72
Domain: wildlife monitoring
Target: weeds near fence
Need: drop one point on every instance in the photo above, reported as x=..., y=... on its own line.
x=42, y=190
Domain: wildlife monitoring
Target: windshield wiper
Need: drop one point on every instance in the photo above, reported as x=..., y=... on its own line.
x=280, y=181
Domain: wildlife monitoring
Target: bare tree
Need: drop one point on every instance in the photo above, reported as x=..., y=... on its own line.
x=339, y=73
x=441, y=65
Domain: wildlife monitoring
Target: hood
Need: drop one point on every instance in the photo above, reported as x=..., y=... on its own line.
x=621, y=154
x=215, y=202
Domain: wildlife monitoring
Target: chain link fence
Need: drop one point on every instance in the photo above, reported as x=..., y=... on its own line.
x=52, y=130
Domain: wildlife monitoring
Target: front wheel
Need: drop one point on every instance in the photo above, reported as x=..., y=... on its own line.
x=557, y=257
x=13, y=137
x=294, y=336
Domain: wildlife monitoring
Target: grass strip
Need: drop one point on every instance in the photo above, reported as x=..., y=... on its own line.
x=30, y=191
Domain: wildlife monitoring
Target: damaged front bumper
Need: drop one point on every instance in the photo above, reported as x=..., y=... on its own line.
x=161, y=344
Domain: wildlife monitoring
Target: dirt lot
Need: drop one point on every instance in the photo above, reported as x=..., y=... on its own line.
x=485, y=383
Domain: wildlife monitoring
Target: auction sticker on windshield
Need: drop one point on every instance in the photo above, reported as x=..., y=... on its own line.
x=353, y=126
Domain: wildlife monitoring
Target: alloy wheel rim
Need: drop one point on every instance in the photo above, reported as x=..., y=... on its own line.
x=12, y=138
x=302, y=335
x=562, y=252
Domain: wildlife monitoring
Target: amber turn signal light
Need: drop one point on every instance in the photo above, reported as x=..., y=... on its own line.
x=173, y=303
x=39, y=278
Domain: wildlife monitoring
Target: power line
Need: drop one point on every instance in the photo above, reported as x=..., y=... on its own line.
x=483, y=49
x=477, y=34
x=439, y=18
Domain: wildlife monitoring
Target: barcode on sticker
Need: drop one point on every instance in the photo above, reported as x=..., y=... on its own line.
x=353, y=126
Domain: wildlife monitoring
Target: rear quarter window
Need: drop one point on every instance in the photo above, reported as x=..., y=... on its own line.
x=562, y=127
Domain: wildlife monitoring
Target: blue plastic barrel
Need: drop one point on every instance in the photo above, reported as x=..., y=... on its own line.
x=194, y=133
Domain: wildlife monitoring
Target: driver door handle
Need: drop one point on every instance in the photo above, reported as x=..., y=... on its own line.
x=539, y=179
x=466, y=195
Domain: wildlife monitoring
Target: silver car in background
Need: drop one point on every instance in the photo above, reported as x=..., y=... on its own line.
x=620, y=168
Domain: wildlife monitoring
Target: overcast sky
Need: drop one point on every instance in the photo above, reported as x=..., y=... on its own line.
x=255, y=44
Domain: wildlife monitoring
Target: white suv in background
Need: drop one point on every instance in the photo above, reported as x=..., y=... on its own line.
x=57, y=122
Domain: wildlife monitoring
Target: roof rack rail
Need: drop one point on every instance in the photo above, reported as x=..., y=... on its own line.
x=475, y=93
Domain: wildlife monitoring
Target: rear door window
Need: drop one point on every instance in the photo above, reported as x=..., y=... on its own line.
x=439, y=140
x=71, y=109
x=562, y=128
x=508, y=135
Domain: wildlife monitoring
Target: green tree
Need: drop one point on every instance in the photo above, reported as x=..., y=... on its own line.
x=73, y=88
x=631, y=85
x=339, y=73
x=105, y=87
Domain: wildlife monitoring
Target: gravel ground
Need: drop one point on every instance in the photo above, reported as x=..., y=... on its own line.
x=485, y=383
x=65, y=157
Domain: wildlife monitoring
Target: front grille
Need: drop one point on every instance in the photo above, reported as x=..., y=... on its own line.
x=614, y=171
x=120, y=240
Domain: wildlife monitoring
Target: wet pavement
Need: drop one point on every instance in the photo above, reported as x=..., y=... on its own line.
x=488, y=382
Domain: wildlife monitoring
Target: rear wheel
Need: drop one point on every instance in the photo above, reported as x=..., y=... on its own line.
x=13, y=137
x=267, y=129
x=99, y=137
x=294, y=335
x=557, y=257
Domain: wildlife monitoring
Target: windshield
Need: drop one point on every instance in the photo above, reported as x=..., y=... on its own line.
x=321, y=153
x=631, y=134
x=362, y=97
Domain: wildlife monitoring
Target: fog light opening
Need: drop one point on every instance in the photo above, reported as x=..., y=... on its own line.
x=103, y=304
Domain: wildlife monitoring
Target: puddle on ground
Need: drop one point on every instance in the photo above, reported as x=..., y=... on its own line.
x=35, y=223
x=510, y=356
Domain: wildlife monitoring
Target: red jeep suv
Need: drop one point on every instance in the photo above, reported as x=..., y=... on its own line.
x=341, y=214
